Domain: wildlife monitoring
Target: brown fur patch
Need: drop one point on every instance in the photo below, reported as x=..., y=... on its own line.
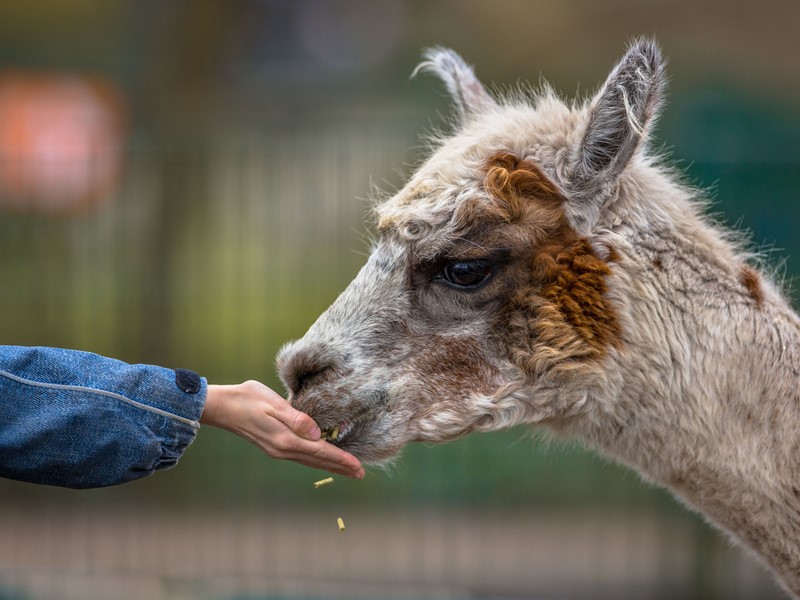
x=525, y=207
x=575, y=281
x=447, y=370
x=560, y=317
x=514, y=184
x=450, y=363
x=752, y=282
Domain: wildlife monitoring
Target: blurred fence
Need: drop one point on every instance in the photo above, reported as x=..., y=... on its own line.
x=214, y=252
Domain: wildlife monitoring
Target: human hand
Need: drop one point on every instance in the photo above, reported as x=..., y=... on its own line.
x=256, y=413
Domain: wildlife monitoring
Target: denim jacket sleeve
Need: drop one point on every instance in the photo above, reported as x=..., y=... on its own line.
x=80, y=420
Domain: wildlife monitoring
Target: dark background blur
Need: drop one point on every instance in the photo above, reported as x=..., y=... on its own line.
x=185, y=184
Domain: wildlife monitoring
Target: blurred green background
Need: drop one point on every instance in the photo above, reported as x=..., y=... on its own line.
x=250, y=135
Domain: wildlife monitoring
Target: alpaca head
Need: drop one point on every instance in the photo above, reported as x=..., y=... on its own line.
x=488, y=299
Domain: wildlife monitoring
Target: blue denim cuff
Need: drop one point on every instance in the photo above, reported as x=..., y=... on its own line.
x=81, y=420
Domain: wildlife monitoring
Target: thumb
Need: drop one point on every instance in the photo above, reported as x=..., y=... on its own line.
x=304, y=426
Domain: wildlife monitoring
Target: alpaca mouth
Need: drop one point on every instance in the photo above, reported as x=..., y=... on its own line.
x=348, y=429
x=343, y=431
x=337, y=432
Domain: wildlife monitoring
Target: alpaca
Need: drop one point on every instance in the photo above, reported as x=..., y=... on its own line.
x=542, y=266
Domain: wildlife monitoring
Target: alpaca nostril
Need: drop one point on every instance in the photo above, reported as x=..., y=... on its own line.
x=303, y=366
x=303, y=378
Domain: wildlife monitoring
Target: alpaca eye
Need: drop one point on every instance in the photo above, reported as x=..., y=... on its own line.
x=467, y=274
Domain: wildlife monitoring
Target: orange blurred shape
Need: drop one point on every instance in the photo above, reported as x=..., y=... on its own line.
x=61, y=140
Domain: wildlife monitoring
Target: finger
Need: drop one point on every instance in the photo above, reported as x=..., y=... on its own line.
x=322, y=455
x=304, y=426
x=299, y=422
x=278, y=407
x=330, y=467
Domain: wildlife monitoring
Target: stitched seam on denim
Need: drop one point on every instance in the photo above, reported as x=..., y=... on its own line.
x=79, y=388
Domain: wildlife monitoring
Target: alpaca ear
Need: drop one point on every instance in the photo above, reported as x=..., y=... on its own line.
x=470, y=96
x=619, y=121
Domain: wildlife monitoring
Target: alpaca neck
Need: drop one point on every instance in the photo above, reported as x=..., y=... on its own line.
x=710, y=407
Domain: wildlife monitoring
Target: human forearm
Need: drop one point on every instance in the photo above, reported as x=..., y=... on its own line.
x=76, y=419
